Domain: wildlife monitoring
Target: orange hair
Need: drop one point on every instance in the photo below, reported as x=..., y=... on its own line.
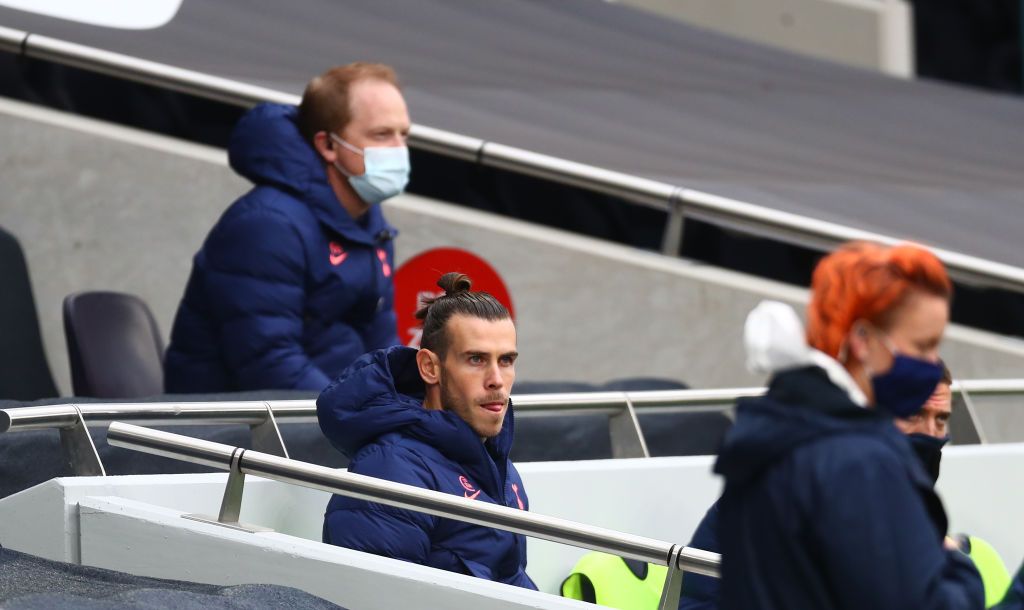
x=867, y=281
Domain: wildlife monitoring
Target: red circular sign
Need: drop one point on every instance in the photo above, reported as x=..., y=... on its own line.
x=417, y=279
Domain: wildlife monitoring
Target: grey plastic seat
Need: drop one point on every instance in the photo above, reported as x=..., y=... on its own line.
x=24, y=372
x=114, y=346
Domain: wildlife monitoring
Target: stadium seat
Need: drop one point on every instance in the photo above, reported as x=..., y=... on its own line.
x=24, y=372
x=114, y=346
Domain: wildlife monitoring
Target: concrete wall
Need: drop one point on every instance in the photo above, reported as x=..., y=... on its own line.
x=872, y=34
x=102, y=207
x=98, y=207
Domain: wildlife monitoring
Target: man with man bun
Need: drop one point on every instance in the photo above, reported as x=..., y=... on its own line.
x=439, y=418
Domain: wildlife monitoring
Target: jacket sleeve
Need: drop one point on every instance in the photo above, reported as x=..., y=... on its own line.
x=880, y=548
x=1014, y=598
x=379, y=529
x=382, y=331
x=256, y=288
x=701, y=592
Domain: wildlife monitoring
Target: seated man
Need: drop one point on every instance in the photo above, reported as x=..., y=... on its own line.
x=438, y=418
x=294, y=282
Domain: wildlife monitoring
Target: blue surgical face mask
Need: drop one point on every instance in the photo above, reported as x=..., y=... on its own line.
x=387, y=171
x=904, y=388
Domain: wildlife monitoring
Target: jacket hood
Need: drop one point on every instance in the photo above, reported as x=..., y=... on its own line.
x=382, y=392
x=801, y=405
x=267, y=148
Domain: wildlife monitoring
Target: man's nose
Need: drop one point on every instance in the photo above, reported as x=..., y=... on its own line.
x=494, y=380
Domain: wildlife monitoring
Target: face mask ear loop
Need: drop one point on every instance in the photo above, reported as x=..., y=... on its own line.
x=337, y=164
x=345, y=144
x=887, y=342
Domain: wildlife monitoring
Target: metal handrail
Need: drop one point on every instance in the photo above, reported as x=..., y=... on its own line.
x=295, y=411
x=626, y=436
x=240, y=462
x=680, y=202
x=249, y=413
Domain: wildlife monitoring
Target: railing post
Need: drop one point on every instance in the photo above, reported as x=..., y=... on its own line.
x=973, y=415
x=231, y=502
x=673, y=587
x=672, y=239
x=79, y=450
x=266, y=437
x=626, y=436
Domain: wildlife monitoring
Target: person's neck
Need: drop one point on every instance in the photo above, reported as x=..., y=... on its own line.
x=848, y=380
x=432, y=399
x=347, y=197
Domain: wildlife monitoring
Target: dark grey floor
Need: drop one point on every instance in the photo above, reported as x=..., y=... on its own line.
x=28, y=582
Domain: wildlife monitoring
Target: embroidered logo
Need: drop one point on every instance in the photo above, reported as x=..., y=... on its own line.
x=515, y=490
x=468, y=487
x=338, y=254
x=382, y=256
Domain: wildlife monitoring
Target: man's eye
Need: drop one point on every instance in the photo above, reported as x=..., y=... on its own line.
x=475, y=359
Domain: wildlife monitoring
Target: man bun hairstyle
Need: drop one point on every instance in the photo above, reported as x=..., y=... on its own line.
x=457, y=299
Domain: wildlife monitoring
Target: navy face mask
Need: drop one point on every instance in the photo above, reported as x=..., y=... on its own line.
x=904, y=388
x=929, y=450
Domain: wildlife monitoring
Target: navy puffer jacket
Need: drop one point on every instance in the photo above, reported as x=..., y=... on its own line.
x=827, y=507
x=288, y=289
x=374, y=414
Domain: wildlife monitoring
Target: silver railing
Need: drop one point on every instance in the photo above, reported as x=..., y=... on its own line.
x=240, y=462
x=73, y=420
x=678, y=201
x=626, y=435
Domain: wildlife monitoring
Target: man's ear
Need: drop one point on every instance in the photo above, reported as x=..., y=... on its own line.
x=324, y=146
x=429, y=365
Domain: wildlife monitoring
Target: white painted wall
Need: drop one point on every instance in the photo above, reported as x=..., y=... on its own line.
x=138, y=528
x=153, y=541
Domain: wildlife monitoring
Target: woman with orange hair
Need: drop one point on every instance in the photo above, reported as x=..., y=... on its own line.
x=825, y=504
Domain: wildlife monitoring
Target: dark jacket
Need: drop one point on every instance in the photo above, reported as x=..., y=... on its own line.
x=826, y=506
x=702, y=592
x=288, y=289
x=374, y=414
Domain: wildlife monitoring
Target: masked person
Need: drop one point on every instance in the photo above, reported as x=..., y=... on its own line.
x=825, y=504
x=927, y=432
x=294, y=282
x=439, y=418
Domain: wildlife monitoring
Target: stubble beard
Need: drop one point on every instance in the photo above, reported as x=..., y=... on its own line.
x=461, y=406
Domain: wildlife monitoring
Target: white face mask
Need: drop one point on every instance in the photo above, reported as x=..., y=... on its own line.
x=387, y=171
